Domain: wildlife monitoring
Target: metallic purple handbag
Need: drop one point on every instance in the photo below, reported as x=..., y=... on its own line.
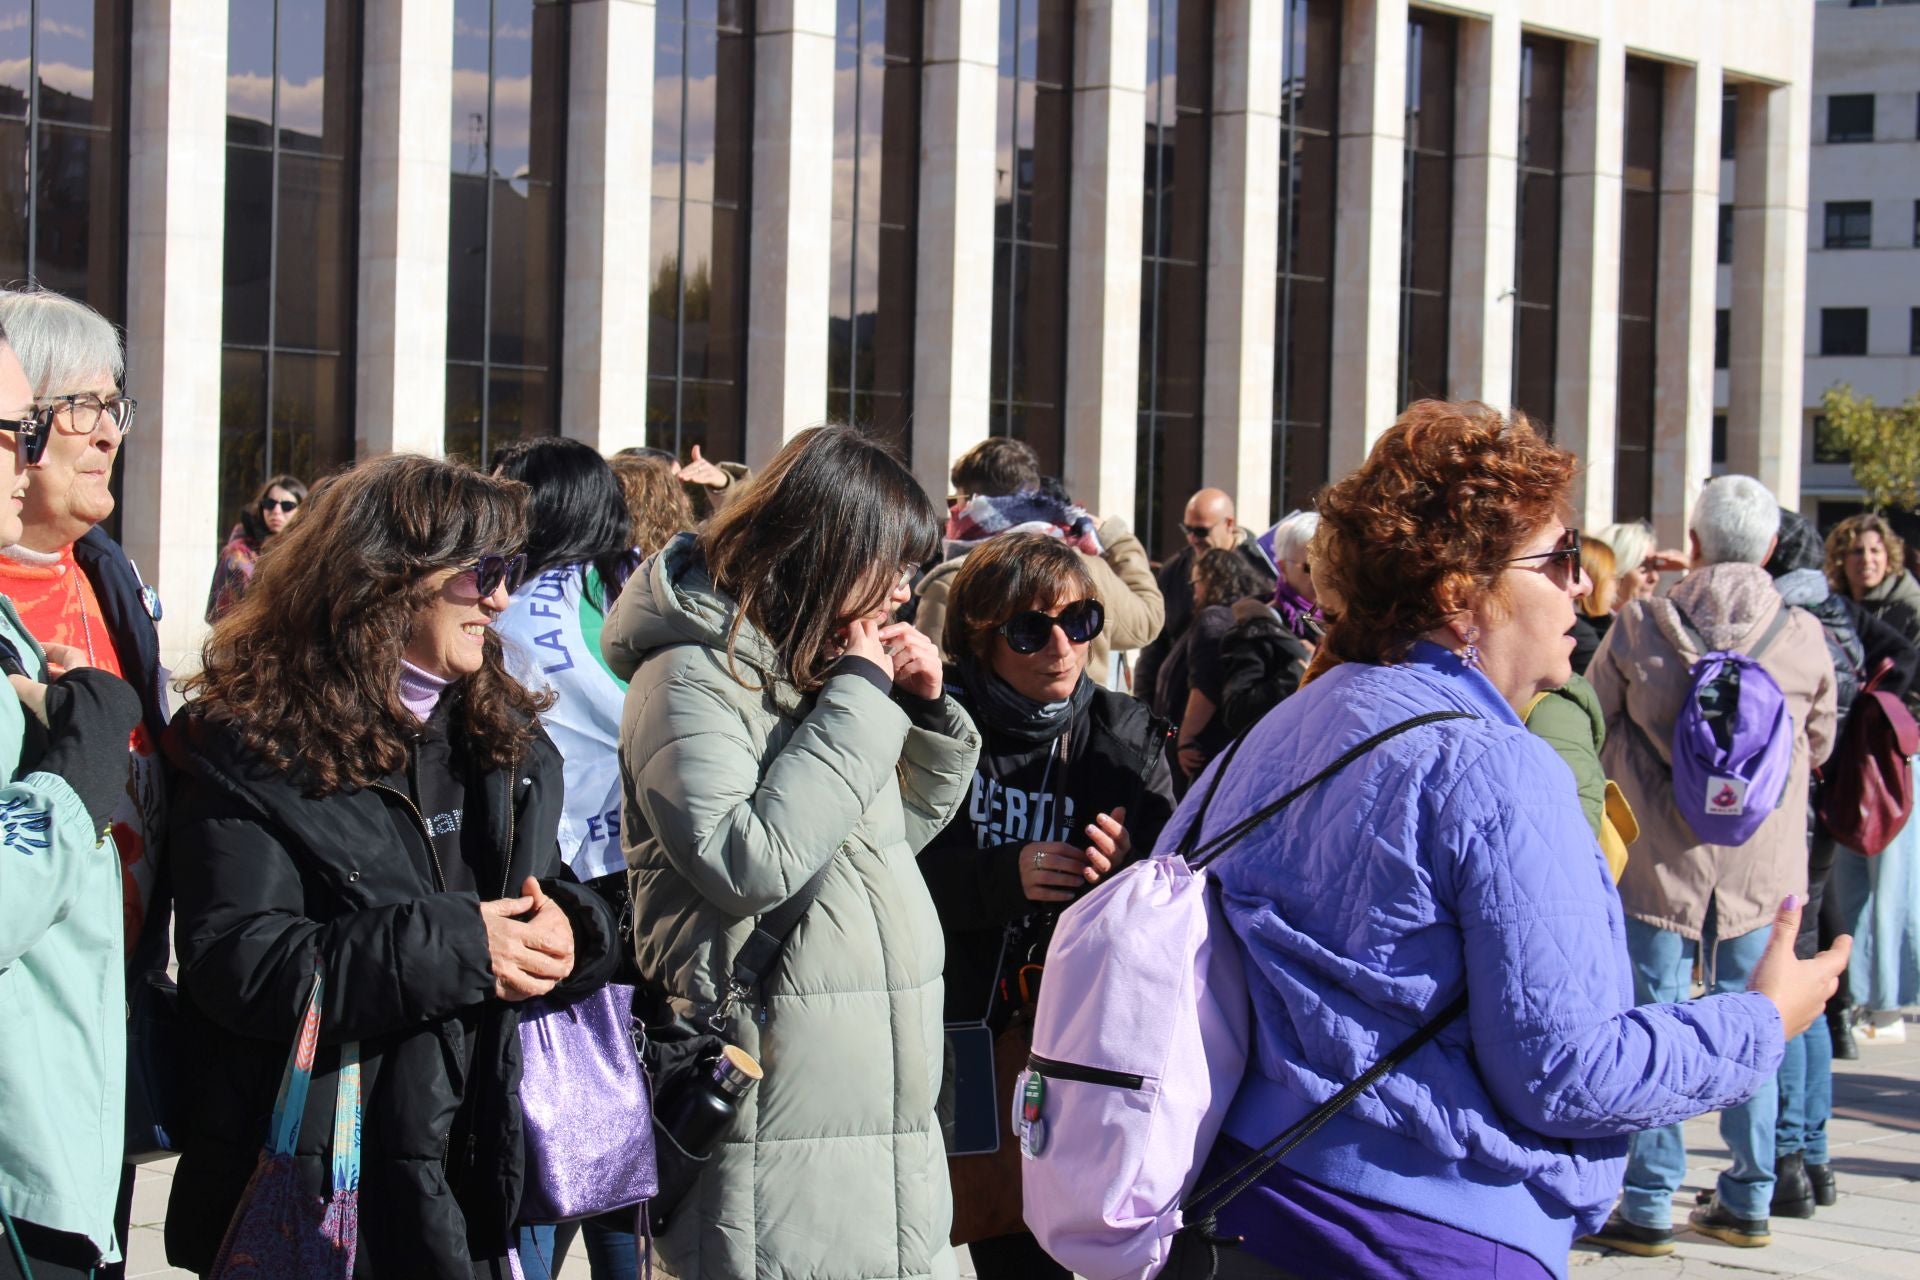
x=588, y=1108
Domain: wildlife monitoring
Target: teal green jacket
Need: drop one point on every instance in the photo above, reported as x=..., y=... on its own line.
x=63, y=1004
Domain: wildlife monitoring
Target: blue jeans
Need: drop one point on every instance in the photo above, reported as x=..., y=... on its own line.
x=1657, y=1158
x=1806, y=1094
x=612, y=1247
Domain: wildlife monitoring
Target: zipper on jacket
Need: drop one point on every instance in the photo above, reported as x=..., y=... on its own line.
x=1053, y=1069
x=513, y=785
x=439, y=872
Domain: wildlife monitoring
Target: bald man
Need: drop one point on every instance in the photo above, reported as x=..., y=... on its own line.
x=1209, y=521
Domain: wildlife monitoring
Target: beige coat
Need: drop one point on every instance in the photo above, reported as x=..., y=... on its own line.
x=1641, y=676
x=1122, y=581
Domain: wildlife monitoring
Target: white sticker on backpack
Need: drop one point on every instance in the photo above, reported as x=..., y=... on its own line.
x=1726, y=797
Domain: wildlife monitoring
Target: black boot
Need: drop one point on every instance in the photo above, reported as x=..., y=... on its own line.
x=1631, y=1237
x=1712, y=1219
x=1824, y=1190
x=1843, y=1045
x=1792, y=1189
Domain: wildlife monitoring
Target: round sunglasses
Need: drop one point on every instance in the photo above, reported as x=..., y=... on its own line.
x=1030, y=631
x=489, y=572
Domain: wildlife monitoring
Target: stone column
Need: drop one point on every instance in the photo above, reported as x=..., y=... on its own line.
x=406, y=134
x=788, y=291
x=953, y=330
x=1486, y=171
x=176, y=225
x=1236, y=449
x=1589, y=353
x=1767, y=347
x=1103, y=260
x=1689, y=266
x=603, y=378
x=1366, y=279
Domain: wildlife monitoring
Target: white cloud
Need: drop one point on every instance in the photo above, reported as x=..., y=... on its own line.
x=58, y=75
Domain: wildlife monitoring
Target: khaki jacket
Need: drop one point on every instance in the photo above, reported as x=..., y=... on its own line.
x=1122, y=581
x=1641, y=675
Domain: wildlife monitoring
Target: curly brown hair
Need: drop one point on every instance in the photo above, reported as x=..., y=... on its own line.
x=1846, y=533
x=306, y=668
x=1221, y=575
x=1424, y=528
x=656, y=500
x=1003, y=576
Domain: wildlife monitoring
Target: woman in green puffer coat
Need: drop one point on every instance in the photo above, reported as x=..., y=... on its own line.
x=776, y=724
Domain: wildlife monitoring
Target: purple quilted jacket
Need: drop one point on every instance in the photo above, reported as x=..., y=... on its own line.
x=1453, y=856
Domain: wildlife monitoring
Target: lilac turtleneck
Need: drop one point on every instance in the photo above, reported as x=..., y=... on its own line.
x=420, y=690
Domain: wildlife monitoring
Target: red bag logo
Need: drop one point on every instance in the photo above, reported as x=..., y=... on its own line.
x=1726, y=797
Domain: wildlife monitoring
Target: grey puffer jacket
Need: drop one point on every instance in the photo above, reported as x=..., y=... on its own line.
x=734, y=796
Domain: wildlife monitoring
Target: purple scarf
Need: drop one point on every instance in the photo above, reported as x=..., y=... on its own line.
x=420, y=690
x=1296, y=610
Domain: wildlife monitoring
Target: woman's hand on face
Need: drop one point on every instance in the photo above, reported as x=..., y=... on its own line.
x=1051, y=872
x=1108, y=841
x=1798, y=988
x=916, y=663
x=863, y=641
x=523, y=967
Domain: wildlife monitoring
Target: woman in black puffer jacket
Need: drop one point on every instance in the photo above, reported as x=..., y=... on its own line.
x=366, y=793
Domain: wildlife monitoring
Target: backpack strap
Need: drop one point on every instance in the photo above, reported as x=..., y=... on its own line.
x=1190, y=838
x=759, y=956
x=1693, y=636
x=1772, y=633
x=1232, y=835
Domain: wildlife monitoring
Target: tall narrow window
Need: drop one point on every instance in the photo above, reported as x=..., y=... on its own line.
x=1173, y=275
x=291, y=260
x=1639, y=277
x=1033, y=131
x=876, y=181
x=1426, y=233
x=1303, y=322
x=702, y=167
x=63, y=148
x=1536, y=281
x=506, y=227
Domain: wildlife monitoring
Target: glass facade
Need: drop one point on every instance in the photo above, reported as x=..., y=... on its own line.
x=1303, y=320
x=1173, y=273
x=63, y=148
x=1536, y=251
x=1033, y=130
x=505, y=231
x=1639, y=289
x=291, y=257
x=702, y=206
x=876, y=181
x=1426, y=211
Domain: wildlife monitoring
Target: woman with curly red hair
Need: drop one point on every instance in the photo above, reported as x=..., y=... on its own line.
x=1452, y=859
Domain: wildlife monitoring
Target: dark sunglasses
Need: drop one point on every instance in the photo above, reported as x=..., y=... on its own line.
x=490, y=571
x=31, y=435
x=1029, y=632
x=1563, y=561
x=1199, y=532
x=279, y=504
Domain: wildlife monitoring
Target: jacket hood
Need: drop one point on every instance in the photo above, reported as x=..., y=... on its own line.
x=1803, y=587
x=671, y=600
x=1725, y=602
x=1798, y=546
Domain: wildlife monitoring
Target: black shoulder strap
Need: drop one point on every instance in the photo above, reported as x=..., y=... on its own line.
x=759, y=956
x=1190, y=838
x=1199, y=857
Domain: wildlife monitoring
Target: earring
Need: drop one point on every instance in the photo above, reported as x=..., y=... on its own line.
x=1470, y=656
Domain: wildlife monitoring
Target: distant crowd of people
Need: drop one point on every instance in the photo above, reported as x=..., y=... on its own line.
x=809, y=770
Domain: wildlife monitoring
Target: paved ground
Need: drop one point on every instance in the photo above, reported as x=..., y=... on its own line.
x=1872, y=1234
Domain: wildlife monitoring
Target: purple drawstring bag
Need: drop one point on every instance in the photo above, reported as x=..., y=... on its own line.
x=588, y=1109
x=279, y=1232
x=1732, y=747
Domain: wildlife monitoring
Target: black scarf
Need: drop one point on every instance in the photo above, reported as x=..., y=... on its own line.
x=1004, y=710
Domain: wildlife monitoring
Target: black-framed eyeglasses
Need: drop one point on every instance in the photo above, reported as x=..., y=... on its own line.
x=1029, y=632
x=30, y=438
x=1563, y=560
x=489, y=572
x=84, y=412
x=279, y=504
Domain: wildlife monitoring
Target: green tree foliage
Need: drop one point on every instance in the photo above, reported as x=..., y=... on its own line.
x=1883, y=445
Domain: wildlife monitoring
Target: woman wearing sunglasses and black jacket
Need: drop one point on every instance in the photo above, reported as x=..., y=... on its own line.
x=1072, y=784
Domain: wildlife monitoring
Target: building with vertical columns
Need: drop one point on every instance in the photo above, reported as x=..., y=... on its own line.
x=1167, y=242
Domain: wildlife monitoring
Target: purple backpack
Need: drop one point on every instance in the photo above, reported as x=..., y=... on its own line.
x=1732, y=741
x=1139, y=1045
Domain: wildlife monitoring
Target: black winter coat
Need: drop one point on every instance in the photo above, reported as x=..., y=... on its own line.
x=1176, y=588
x=270, y=883
x=1114, y=758
x=1264, y=663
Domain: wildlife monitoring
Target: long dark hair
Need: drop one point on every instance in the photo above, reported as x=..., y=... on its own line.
x=579, y=512
x=306, y=667
x=252, y=522
x=815, y=541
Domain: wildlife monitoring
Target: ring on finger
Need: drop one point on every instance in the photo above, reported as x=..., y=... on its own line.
x=1039, y=860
